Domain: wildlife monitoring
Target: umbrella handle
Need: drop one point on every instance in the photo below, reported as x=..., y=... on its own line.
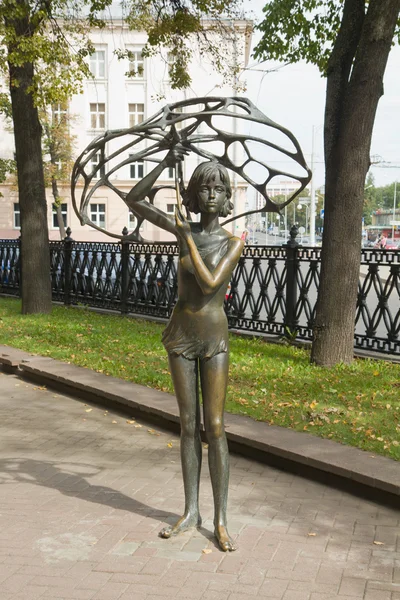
x=178, y=194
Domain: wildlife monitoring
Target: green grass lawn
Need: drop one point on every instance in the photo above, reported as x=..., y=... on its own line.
x=357, y=405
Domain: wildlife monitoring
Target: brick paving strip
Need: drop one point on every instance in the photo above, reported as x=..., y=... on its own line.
x=85, y=490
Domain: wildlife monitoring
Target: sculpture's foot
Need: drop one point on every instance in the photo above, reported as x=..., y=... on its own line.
x=186, y=522
x=224, y=539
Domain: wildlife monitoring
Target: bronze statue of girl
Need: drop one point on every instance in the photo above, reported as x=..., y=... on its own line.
x=196, y=337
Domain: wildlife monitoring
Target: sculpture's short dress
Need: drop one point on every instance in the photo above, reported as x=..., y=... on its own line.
x=201, y=333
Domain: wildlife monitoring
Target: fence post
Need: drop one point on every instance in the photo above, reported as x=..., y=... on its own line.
x=68, y=242
x=124, y=272
x=18, y=266
x=290, y=320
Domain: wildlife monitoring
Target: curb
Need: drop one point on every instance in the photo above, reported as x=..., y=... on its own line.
x=362, y=473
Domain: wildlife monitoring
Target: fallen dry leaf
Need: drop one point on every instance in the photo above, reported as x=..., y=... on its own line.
x=206, y=551
x=114, y=421
x=152, y=432
x=312, y=534
x=130, y=422
x=378, y=543
x=89, y=410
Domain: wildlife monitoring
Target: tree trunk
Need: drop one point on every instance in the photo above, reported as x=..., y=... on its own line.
x=351, y=105
x=35, y=255
x=60, y=220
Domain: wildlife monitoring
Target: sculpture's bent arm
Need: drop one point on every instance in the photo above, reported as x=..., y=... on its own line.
x=140, y=207
x=210, y=281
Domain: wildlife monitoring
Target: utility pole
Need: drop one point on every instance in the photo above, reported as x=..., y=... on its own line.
x=312, y=194
x=394, y=209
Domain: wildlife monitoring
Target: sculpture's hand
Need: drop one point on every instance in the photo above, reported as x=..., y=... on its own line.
x=175, y=155
x=182, y=225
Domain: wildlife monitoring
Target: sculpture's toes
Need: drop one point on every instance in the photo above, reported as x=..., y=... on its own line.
x=227, y=546
x=166, y=532
x=186, y=522
x=225, y=541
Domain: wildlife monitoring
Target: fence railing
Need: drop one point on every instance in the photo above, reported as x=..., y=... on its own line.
x=273, y=289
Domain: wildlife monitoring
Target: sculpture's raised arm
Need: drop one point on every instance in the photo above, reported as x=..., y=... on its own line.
x=136, y=198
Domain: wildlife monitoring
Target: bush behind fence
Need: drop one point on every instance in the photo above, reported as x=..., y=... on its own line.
x=273, y=289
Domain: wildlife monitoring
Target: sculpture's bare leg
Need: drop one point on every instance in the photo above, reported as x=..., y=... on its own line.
x=185, y=378
x=214, y=379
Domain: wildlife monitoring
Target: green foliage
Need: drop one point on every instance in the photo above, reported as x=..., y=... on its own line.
x=58, y=144
x=55, y=38
x=5, y=105
x=7, y=167
x=371, y=201
x=51, y=36
x=174, y=24
x=377, y=198
x=295, y=30
x=385, y=196
x=357, y=405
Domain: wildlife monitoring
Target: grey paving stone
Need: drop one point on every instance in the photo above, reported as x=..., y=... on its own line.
x=373, y=471
x=83, y=500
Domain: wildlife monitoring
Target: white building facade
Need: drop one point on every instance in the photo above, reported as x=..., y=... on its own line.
x=114, y=100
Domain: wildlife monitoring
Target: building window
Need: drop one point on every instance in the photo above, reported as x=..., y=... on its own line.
x=17, y=216
x=136, y=114
x=59, y=112
x=132, y=221
x=97, y=64
x=98, y=214
x=171, y=209
x=136, y=64
x=94, y=161
x=136, y=169
x=64, y=213
x=171, y=173
x=97, y=115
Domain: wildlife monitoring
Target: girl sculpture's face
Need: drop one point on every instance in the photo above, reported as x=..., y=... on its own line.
x=211, y=195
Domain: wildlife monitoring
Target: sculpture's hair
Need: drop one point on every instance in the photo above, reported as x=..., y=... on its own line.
x=205, y=172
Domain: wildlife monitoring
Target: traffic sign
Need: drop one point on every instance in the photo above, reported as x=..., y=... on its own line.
x=322, y=213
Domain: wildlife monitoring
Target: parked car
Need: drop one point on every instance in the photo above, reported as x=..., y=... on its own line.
x=392, y=244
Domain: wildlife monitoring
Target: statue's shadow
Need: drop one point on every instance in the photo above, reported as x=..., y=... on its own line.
x=71, y=479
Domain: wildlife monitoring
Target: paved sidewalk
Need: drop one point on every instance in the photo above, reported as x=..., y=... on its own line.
x=85, y=492
x=364, y=473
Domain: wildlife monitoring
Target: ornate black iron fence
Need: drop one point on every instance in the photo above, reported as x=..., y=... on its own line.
x=9, y=267
x=273, y=289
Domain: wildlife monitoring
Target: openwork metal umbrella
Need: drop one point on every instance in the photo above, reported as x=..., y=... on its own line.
x=209, y=127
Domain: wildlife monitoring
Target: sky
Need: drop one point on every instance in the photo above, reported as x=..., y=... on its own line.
x=294, y=96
